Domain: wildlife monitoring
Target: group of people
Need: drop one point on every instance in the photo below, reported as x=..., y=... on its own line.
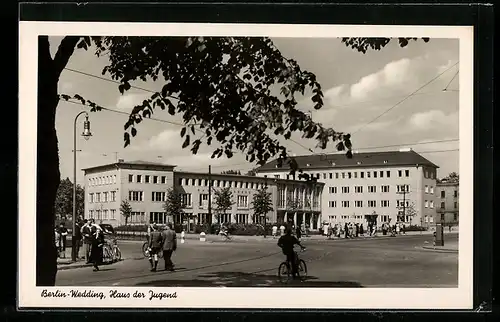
x=298, y=230
x=60, y=233
x=348, y=230
x=161, y=241
x=396, y=229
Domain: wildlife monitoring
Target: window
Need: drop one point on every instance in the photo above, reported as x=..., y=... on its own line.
x=400, y=204
x=372, y=203
x=358, y=189
x=345, y=204
x=204, y=219
x=343, y=175
x=442, y=193
x=407, y=173
x=98, y=197
x=403, y=188
x=91, y=197
x=374, y=174
x=157, y=217
x=385, y=203
x=224, y=218
x=368, y=174
x=384, y=218
x=155, y=179
x=113, y=196
x=355, y=174
x=431, y=204
x=385, y=188
x=136, y=195
x=426, y=189
x=113, y=213
x=158, y=196
x=431, y=190
x=388, y=174
x=358, y=203
x=361, y=174
x=345, y=189
x=431, y=219
x=372, y=189
x=381, y=174
x=442, y=205
x=130, y=178
x=114, y=179
x=455, y=194
x=400, y=173
x=241, y=218
x=105, y=214
x=186, y=200
x=331, y=175
x=349, y=175
x=332, y=204
x=104, y=197
x=426, y=218
x=163, y=179
x=426, y=204
x=139, y=178
x=324, y=175
x=277, y=176
x=455, y=205
x=455, y=217
x=442, y=217
x=336, y=175
x=332, y=189
x=203, y=200
x=242, y=201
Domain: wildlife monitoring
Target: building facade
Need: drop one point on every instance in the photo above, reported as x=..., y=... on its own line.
x=395, y=186
x=448, y=202
x=144, y=186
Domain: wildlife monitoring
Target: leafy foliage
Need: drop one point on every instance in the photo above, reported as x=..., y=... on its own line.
x=125, y=210
x=223, y=199
x=173, y=203
x=363, y=44
x=262, y=203
x=452, y=177
x=63, y=205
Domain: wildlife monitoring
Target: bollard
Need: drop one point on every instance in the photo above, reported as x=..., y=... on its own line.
x=182, y=237
x=202, y=236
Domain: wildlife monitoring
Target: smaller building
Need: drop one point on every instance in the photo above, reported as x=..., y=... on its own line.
x=448, y=202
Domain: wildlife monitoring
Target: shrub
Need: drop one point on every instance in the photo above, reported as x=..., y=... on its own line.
x=132, y=228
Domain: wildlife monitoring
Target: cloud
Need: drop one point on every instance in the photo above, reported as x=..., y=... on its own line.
x=65, y=87
x=129, y=100
x=433, y=119
x=166, y=140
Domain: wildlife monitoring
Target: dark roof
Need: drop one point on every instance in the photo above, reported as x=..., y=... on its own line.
x=138, y=164
x=365, y=159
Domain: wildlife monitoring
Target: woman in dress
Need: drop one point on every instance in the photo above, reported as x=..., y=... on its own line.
x=96, y=247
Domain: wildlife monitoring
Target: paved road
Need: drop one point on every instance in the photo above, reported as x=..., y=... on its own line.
x=389, y=262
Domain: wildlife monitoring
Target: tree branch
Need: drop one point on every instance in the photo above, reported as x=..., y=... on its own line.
x=64, y=52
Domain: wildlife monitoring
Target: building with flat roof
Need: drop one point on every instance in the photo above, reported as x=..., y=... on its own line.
x=448, y=202
x=394, y=186
x=144, y=185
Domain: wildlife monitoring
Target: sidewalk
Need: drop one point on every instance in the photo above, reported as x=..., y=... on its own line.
x=449, y=247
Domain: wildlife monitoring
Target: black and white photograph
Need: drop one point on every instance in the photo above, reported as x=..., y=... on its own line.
x=208, y=166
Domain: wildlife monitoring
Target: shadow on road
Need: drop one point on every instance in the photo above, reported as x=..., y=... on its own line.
x=240, y=279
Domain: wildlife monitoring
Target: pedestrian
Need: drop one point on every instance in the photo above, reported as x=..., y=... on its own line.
x=275, y=230
x=398, y=228
x=87, y=239
x=449, y=228
x=384, y=229
x=57, y=240
x=169, y=246
x=361, y=230
x=330, y=231
x=307, y=230
x=403, y=229
x=325, y=229
x=356, y=229
x=78, y=236
x=154, y=246
x=298, y=232
x=96, y=249
x=63, y=232
x=282, y=230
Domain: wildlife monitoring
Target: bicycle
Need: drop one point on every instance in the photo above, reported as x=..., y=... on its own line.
x=145, y=250
x=285, y=270
x=226, y=236
x=111, y=252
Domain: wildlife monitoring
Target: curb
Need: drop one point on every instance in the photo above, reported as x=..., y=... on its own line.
x=440, y=250
x=63, y=267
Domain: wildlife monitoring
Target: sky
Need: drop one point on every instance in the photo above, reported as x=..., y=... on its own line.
x=362, y=92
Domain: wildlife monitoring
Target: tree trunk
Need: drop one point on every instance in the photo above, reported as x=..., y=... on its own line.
x=48, y=175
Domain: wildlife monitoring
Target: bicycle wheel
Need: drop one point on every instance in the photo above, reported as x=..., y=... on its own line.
x=284, y=272
x=145, y=249
x=107, y=254
x=302, y=269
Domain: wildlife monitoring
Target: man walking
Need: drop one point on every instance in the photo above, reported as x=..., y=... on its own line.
x=155, y=243
x=87, y=240
x=169, y=246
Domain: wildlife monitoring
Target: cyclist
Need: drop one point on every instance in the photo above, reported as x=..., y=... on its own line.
x=155, y=245
x=224, y=231
x=286, y=243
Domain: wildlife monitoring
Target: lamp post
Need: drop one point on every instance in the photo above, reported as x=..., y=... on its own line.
x=86, y=134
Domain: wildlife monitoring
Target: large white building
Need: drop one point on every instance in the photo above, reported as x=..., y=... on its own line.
x=389, y=186
x=144, y=185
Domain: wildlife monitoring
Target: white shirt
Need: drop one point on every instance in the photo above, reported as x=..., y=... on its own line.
x=275, y=229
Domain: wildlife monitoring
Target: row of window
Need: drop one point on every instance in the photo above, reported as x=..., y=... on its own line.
x=102, y=196
x=104, y=180
x=354, y=174
x=455, y=205
x=186, y=198
x=103, y=214
x=359, y=218
x=139, y=178
x=371, y=189
x=203, y=218
x=455, y=194
x=370, y=203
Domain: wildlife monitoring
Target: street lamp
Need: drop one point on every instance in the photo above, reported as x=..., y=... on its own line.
x=86, y=135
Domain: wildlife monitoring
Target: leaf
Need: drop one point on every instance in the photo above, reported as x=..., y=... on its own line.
x=192, y=129
x=133, y=131
x=126, y=138
x=340, y=146
x=186, y=142
x=183, y=131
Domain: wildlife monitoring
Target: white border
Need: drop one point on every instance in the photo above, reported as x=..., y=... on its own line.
x=320, y=298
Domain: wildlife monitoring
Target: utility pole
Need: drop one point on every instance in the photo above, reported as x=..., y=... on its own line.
x=210, y=193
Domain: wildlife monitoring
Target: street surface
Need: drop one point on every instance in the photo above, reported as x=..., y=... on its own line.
x=380, y=262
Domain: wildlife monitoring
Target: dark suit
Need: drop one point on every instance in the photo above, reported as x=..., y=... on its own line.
x=169, y=246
